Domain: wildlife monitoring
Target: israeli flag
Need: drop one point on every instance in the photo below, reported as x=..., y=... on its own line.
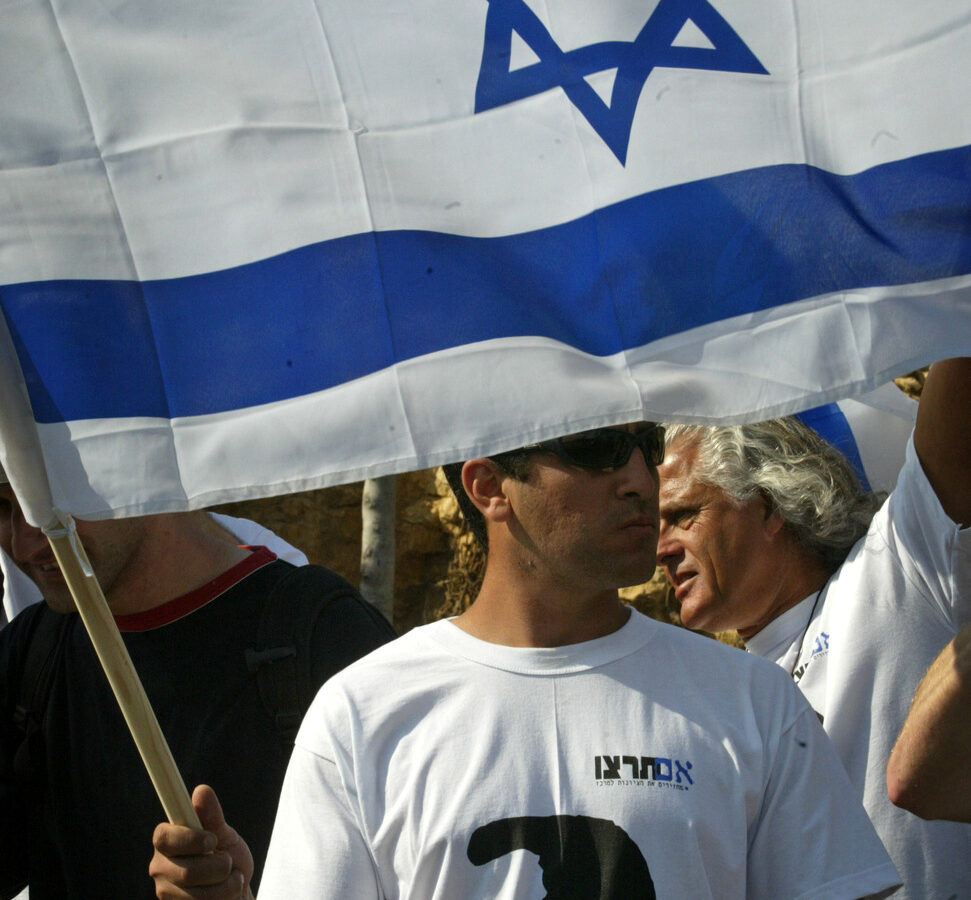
x=262, y=246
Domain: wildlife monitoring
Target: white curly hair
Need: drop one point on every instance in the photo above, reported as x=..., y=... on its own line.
x=806, y=479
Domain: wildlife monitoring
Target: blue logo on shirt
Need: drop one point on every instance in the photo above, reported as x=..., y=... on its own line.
x=821, y=643
x=633, y=61
x=642, y=768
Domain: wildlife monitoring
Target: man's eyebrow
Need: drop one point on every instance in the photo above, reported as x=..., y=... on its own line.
x=678, y=510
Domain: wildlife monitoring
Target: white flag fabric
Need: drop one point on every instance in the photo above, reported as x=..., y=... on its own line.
x=262, y=246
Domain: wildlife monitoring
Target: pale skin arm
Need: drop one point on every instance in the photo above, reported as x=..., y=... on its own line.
x=942, y=436
x=927, y=772
x=924, y=770
x=210, y=864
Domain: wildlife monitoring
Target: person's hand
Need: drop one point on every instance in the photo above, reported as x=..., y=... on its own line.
x=211, y=864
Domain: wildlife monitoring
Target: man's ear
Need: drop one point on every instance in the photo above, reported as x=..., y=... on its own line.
x=774, y=523
x=483, y=482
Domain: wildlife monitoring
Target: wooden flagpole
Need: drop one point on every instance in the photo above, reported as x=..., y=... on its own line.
x=124, y=681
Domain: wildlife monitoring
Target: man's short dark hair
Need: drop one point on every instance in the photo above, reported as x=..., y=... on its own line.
x=512, y=462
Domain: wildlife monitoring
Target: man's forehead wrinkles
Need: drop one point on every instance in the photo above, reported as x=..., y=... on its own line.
x=676, y=487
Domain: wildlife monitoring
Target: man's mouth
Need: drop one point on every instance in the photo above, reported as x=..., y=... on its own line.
x=46, y=571
x=682, y=584
x=641, y=522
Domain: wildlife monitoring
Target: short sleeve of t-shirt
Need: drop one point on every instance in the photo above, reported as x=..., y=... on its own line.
x=317, y=849
x=934, y=552
x=814, y=831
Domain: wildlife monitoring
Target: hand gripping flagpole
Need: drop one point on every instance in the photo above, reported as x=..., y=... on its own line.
x=124, y=681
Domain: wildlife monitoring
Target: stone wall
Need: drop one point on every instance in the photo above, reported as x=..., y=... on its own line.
x=326, y=525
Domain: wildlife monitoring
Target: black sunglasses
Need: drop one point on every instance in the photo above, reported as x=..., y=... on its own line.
x=606, y=448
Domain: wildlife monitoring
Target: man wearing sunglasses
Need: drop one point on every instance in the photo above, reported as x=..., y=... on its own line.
x=550, y=741
x=765, y=529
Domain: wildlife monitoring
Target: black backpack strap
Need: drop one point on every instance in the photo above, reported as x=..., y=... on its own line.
x=282, y=658
x=45, y=646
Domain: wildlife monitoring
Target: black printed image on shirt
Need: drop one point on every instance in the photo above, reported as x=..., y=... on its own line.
x=582, y=858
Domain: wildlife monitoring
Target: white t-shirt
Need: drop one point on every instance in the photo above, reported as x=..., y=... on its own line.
x=859, y=649
x=442, y=767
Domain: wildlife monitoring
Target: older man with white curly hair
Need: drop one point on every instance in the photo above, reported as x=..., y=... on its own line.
x=765, y=529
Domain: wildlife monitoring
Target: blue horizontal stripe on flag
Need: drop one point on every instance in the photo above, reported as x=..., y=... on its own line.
x=613, y=280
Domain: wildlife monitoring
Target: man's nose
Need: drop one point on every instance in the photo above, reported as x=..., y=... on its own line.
x=640, y=478
x=668, y=549
x=666, y=545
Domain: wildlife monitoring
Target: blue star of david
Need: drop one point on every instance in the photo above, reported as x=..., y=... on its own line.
x=633, y=60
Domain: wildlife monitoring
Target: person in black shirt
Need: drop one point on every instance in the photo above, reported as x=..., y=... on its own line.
x=191, y=605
